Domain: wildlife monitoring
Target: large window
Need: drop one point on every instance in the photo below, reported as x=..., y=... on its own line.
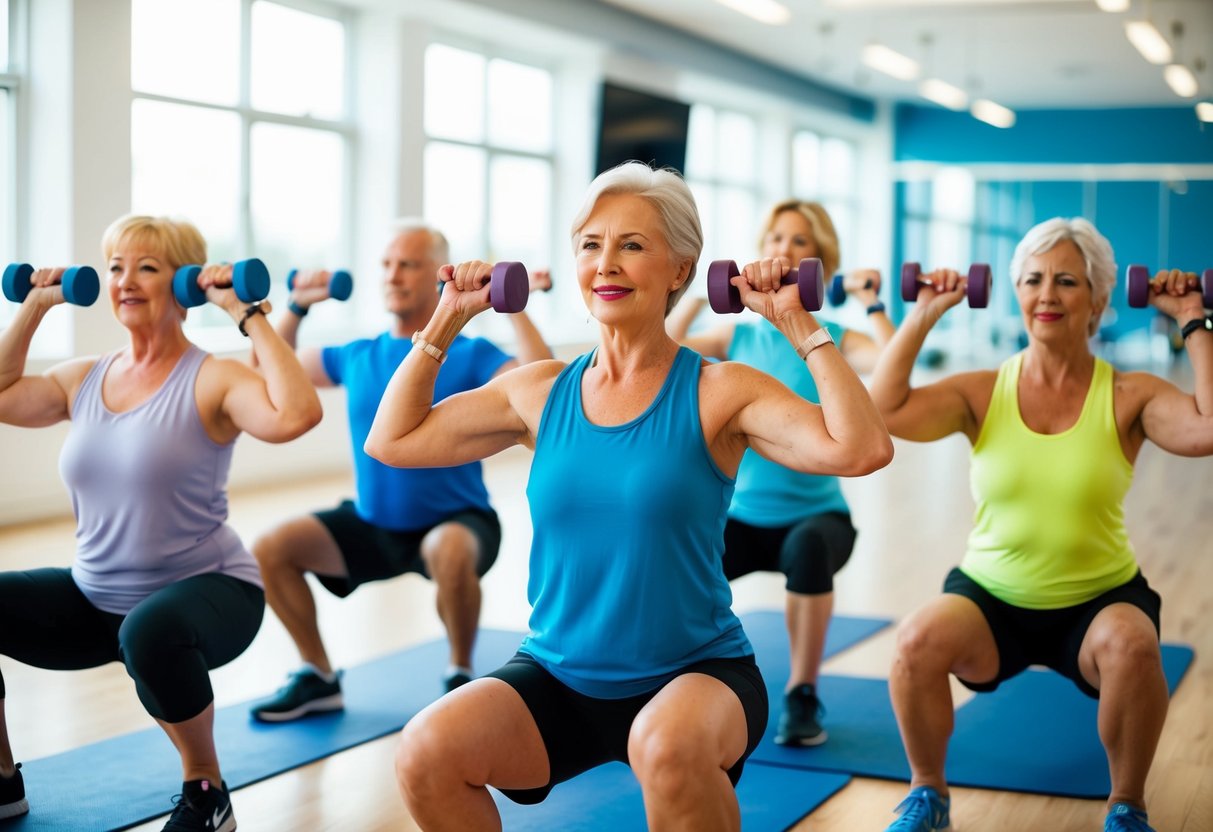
x=252, y=143
x=824, y=170
x=8, y=85
x=489, y=156
x=722, y=170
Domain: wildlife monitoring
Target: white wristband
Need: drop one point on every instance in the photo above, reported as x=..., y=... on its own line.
x=428, y=348
x=821, y=336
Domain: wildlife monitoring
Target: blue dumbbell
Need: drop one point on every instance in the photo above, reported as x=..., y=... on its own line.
x=341, y=283
x=250, y=279
x=838, y=294
x=81, y=286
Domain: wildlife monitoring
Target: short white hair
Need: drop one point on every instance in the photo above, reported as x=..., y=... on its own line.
x=440, y=249
x=669, y=194
x=1094, y=247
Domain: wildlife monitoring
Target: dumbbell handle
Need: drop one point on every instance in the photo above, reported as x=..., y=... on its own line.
x=978, y=283
x=1137, y=285
x=80, y=284
x=250, y=279
x=724, y=297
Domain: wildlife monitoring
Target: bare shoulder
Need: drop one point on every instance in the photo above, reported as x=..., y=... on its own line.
x=69, y=375
x=976, y=388
x=1132, y=390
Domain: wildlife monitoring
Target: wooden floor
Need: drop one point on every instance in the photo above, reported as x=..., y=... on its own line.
x=913, y=518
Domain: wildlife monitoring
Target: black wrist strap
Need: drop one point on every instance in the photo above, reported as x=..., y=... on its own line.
x=1196, y=324
x=258, y=308
x=296, y=309
x=878, y=306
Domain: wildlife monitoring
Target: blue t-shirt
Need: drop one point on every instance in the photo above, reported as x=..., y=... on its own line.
x=769, y=495
x=402, y=499
x=626, y=584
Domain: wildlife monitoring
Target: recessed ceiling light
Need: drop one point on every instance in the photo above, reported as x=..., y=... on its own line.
x=1181, y=80
x=1204, y=111
x=992, y=114
x=764, y=11
x=1149, y=41
x=943, y=94
x=883, y=59
x=1113, y=5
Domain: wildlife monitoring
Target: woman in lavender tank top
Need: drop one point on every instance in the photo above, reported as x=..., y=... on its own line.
x=636, y=446
x=159, y=581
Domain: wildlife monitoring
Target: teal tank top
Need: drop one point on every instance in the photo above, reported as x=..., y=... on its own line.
x=626, y=584
x=768, y=494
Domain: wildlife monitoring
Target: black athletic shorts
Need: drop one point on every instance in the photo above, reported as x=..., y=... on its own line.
x=373, y=553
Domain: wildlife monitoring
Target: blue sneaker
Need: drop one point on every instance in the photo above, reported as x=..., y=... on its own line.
x=923, y=810
x=1125, y=818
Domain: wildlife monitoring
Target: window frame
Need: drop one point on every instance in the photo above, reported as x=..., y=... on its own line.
x=216, y=335
x=12, y=83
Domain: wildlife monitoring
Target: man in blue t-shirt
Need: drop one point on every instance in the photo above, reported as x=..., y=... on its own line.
x=436, y=522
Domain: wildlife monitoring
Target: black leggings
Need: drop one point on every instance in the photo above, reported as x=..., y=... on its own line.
x=808, y=553
x=169, y=642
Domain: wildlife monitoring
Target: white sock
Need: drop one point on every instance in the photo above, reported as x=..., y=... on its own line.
x=453, y=669
x=328, y=677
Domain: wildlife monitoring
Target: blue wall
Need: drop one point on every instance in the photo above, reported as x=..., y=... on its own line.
x=1154, y=222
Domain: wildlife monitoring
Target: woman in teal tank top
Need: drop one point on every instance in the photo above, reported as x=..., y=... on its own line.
x=781, y=520
x=1049, y=576
x=636, y=446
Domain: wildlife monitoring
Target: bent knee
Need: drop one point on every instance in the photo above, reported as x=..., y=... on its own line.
x=420, y=765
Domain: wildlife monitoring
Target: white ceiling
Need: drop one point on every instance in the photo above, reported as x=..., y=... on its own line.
x=1020, y=53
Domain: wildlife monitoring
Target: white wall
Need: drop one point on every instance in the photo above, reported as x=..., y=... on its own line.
x=78, y=100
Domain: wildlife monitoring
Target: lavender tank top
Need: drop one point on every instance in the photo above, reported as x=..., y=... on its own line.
x=149, y=489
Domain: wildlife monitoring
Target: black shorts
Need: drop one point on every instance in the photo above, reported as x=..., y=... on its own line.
x=1051, y=638
x=580, y=732
x=809, y=552
x=373, y=553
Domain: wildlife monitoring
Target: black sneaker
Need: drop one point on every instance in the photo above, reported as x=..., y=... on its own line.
x=800, y=722
x=202, y=807
x=456, y=679
x=304, y=693
x=12, y=795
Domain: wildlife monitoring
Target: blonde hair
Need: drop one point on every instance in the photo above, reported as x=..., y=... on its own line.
x=822, y=227
x=669, y=194
x=177, y=241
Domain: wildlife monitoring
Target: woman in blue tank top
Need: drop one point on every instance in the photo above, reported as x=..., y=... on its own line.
x=782, y=520
x=159, y=582
x=1049, y=576
x=636, y=446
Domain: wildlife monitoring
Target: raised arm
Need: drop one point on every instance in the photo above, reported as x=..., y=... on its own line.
x=410, y=431
x=1176, y=421
x=845, y=434
x=924, y=414
x=311, y=287
x=531, y=346
x=35, y=401
x=861, y=349
x=275, y=403
x=712, y=344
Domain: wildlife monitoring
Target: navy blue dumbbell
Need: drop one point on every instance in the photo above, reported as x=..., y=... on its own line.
x=81, y=286
x=341, y=284
x=250, y=279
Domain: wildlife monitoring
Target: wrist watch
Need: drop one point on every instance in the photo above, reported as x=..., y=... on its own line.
x=1195, y=324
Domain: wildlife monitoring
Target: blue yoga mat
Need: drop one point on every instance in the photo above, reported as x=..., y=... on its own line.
x=1036, y=733
x=130, y=779
x=769, y=635
x=607, y=799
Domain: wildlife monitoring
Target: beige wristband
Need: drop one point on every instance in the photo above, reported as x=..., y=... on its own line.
x=821, y=336
x=431, y=350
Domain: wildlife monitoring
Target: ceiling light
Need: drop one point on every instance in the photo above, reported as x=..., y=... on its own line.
x=883, y=59
x=1204, y=111
x=1149, y=41
x=992, y=114
x=1113, y=5
x=943, y=94
x=1181, y=80
x=764, y=11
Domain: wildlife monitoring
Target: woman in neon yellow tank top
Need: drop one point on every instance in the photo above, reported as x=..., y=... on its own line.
x=1055, y=432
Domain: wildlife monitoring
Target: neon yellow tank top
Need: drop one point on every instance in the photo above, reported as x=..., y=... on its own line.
x=1049, y=531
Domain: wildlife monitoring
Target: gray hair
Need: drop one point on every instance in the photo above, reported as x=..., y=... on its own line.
x=439, y=247
x=1094, y=247
x=669, y=194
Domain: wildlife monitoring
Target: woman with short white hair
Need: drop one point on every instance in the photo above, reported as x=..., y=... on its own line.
x=1049, y=576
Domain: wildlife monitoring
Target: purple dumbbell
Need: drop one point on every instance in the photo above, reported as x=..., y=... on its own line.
x=509, y=286
x=1137, y=281
x=977, y=287
x=724, y=298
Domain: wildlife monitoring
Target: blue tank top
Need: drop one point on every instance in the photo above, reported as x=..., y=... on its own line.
x=626, y=584
x=404, y=499
x=149, y=489
x=768, y=494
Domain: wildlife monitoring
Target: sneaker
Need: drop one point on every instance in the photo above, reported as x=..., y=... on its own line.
x=12, y=795
x=1125, y=818
x=454, y=680
x=800, y=722
x=923, y=810
x=202, y=807
x=304, y=693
